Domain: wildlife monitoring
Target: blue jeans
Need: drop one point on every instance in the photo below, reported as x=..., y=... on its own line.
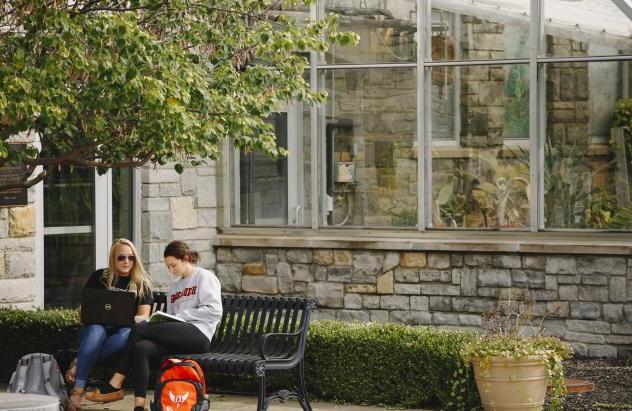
x=97, y=342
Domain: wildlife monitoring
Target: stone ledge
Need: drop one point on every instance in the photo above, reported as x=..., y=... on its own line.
x=525, y=243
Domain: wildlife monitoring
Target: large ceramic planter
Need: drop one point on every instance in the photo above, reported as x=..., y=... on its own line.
x=511, y=384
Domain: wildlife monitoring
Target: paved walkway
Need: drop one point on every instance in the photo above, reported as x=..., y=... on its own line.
x=231, y=403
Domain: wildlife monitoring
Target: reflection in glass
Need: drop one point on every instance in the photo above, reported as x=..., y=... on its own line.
x=587, y=171
x=387, y=30
x=480, y=179
x=586, y=28
x=485, y=30
x=69, y=197
x=371, y=159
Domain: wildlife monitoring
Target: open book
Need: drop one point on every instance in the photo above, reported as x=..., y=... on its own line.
x=160, y=316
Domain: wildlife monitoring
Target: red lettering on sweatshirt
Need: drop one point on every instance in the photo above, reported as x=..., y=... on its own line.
x=184, y=293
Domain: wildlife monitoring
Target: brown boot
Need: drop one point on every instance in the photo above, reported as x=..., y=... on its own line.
x=98, y=396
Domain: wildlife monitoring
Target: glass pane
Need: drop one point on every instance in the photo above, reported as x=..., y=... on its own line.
x=485, y=30
x=587, y=159
x=480, y=165
x=387, y=30
x=68, y=262
x=69, y=197
x=371, y=156
x=275, y=192
x=586, y=28
x=122, y=203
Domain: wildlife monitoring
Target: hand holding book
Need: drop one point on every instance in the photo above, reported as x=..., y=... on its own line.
x=160, y=316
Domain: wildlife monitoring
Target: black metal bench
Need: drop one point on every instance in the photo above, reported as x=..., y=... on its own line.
x=257, y=335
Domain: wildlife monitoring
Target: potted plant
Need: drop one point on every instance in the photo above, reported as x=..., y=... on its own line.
x=514, y=361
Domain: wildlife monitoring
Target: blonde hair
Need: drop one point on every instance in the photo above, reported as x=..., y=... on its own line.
x=139, y=279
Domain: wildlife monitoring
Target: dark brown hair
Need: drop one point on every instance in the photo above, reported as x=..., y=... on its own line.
x=181, y=251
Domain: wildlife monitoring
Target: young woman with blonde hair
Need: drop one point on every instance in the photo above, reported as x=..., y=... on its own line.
x=125, y=272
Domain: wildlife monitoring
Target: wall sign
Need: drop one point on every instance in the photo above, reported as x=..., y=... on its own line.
x=9, y=173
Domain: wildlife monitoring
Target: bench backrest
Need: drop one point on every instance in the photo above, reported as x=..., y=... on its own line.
x=246, y=318
x=160, y=301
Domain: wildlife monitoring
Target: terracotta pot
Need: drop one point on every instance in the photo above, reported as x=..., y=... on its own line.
x=512, y=385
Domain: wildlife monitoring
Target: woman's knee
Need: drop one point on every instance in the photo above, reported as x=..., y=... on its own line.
x=93, y=332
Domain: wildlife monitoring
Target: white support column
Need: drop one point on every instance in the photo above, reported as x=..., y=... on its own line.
x=102, y=217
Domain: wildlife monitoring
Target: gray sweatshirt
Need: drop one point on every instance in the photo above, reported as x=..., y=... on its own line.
x=197, y=299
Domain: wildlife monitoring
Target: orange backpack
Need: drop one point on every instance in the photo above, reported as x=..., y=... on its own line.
x=181, y=387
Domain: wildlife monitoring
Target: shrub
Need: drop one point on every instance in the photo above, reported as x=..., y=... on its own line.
x=24, y=332
x=390, y=364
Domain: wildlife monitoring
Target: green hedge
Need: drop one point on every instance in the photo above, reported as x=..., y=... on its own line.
x=377, y=363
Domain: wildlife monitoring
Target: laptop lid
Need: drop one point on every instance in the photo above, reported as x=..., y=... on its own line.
x=107, y=307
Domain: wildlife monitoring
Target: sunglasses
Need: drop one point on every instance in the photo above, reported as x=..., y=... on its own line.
x=124, y=257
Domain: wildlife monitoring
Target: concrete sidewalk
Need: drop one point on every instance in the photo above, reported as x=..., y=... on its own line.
x=232, y=403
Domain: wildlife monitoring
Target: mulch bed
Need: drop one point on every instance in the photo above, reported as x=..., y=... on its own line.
x=613, y=384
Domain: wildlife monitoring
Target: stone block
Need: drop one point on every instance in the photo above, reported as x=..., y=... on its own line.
x=302, y=272
x=472, y=305
x=272, y=260
x=320, y=273
x=590, y=293
x=579, y=349
x=436, y=303
x=253, y=269
x=619, y=339
x=528, y=278
x=328, y=294
x=602, y=265
x=150, y=190
x=560, y=265
x=339, y=274
x=434, y=276
x=323, y=257
x=470, y=320
x=361, y=288
x=439, y=261
x=411, y=317
x=585, y=311
x=206, y=193
x=229, y=275
x=478, y=260
x=419, y=303
x=367, y=263
x=568, y=292
x=445, y=319
x=299, y=256
x=407, y=289
x=506, y=261
x=613, y=312
x=189, y=181
x=394, y=302
x=550, y=282
x=544, y=295
x=413, y=259
x=456, y=260
x=558, y=309
x=207, y=217
x=159, y=175
x=406, y=275
x=532, y=262
x=391, y=260
x=595, y=279
x=343, y=257
x=617, y=289
x=370, y=301
x=596, y=327
x=22, y=221
x=300, y=288
x=494, y=278
x=224, y=255
x=584, y=337
x=625, y=328
x=324, y=315
x=353, y=315
x=385, y=283
x=154, y=204
x=469, y=279
x=568, y=279
x=456, y=276
x=353, y=301
x=380, y=316
x=19, y=265
x=169, y=190
x=21, y=290
x=627, y=312
x=602, y=351
x=247, y=255
x=431, y=289
x=284, y=278
x=156, y=226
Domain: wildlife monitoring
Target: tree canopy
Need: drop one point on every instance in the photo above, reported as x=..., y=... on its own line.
x=113, y=83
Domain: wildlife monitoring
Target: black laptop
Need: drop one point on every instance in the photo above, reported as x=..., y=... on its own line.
x=107, y=307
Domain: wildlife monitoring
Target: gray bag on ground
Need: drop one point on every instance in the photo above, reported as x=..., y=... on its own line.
x=39, y=373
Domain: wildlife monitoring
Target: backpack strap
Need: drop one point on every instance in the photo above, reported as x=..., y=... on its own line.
x=46, y=373
x=23, y=366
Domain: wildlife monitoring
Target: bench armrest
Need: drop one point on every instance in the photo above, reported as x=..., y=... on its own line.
x=263, y=342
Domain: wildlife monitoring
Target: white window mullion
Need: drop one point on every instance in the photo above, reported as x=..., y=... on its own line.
x=102, y=217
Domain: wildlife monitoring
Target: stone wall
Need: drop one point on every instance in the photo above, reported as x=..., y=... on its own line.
x=177, y=207
x=593, y=293
x=18, y=285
